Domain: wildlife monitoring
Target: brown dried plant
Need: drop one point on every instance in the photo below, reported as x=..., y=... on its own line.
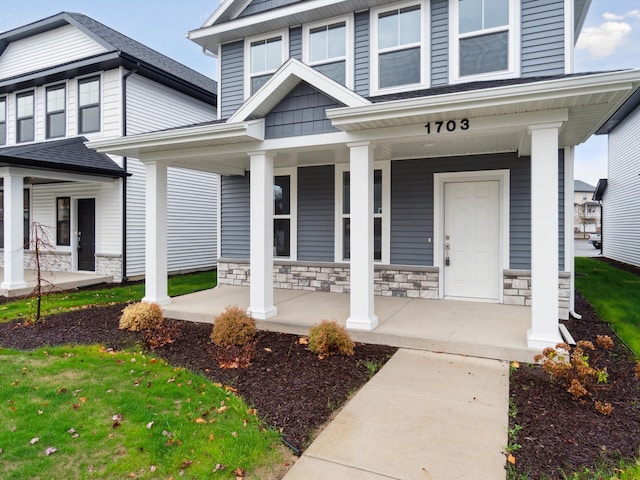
x=233, y=334
x=328, y=338
x=141, y=316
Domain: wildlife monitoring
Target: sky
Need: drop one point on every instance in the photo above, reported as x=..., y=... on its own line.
x=610, y=40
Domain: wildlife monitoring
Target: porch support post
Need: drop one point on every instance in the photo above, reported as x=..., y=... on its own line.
x=13, y=232
x=261, y=304
x=155, y=282
x=544, y=237
x=362, y=315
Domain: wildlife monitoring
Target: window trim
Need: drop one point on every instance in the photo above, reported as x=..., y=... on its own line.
x=26, y=93
x=284, y=35
x=4, y=102
x=58, y=86
x=424, y=45
x=26, y=234
x=59, y=221
x=292, y=216
x=385, y=167
x=80, y=107
x=349, y=46
x=513, y=56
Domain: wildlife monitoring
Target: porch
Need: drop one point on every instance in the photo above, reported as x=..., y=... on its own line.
x=55, y=281
x=476, y=329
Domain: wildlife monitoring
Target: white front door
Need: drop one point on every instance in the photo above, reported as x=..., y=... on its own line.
x=472, y=240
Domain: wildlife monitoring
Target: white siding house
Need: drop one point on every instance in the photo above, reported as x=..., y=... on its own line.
x=68, y=79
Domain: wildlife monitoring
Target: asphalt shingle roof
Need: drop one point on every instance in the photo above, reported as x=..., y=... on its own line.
x=580, y=186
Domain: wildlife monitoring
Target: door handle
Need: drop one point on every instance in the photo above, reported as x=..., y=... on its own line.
x=446, y=258
x=79, y=237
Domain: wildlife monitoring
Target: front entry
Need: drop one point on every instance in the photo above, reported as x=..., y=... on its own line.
x=472, y=240
x=87, y=234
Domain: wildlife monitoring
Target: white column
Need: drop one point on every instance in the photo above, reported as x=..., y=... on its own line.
x=362, y=315
x=261, y=236
x=13, y=232
x=544, y=237
x=155, y=282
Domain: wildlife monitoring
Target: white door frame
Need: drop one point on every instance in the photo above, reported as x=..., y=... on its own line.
x=439, y=180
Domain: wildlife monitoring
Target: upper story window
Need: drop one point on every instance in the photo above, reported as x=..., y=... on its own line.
x=266, y=54
x=397, y=48
x=56, y=125
x=25, y=124
x=3, y=121
x=89, y=105
x=328, y=49
x=484, y=43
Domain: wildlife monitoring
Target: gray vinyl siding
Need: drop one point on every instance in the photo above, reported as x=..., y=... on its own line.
x=561, y=210
x=295, y=43
x=542, y=37
x=302, y=112
x=412, y=205
x=257, y=6
x=361, y=54
x=316, y=213
x=232, y=78
x=234, y=217
x=439, y=42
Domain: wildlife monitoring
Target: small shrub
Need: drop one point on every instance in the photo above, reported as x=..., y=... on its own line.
x=141, y=316
x=328, y=337
x=233, y=327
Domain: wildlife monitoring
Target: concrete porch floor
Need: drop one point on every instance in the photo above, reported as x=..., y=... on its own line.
x=477, y=329
x=55, y=281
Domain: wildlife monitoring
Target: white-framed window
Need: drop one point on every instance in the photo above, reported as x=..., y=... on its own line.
x=381, y=212
x=56, y=108
x=25, y=117
x=285, y=213
x=484, y=39
x=89, y=105
x=3, y=121
x=399, y=47
x=263, y=56
x=328, y=47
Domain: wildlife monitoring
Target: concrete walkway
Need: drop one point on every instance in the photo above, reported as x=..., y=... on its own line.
x=424, y=416
x=56, y=281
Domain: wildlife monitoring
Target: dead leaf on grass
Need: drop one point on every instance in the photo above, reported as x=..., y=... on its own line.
x=200, y=421
x=50, y=450
x=34, y=440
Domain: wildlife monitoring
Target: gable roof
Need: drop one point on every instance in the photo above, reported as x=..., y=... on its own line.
x=66, y=155
x=120, y=50
x=580, y=186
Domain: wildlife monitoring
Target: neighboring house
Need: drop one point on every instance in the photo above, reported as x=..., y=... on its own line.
x=418, y=148
x=67, y=79
x=620, y=191
x=586, y=211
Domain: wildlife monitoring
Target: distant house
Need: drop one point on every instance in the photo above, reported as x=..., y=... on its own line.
x=620, y=191
x=67, y=79
x=586, y=211
x=419, y=148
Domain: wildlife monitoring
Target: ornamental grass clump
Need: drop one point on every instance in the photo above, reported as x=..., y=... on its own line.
x=576, y=371
x=328, y=338
x=234, y=334
x=141, y=316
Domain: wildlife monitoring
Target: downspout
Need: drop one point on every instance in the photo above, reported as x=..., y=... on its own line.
x=124, y=165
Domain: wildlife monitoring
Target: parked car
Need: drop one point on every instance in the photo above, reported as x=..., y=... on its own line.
x=595, y=239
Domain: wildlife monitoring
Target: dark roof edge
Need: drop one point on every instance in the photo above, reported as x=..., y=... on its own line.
x=59, y=167
x=621, y=114
x=598, y=194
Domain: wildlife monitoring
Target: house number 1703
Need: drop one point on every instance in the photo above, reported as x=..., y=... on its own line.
x=449, y=126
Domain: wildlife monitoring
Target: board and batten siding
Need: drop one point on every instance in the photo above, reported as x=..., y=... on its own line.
x=543, y=43
x=316, y=213
x=295, y=43
x=234, y=216
x=47, y=49
x=621, y=205
x=231, y=78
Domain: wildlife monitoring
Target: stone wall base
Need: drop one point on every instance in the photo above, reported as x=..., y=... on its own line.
x=517, y=290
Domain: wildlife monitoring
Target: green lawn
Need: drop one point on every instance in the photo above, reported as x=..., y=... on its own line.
x=615, y=294
x=65, y=301
x=139, y=418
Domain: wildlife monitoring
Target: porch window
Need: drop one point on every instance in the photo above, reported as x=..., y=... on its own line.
x=63, y=221
x=284, y=214
x=397, y=47
x=327, y=49
x=3, y=121
x=56, y=101
x=25, y=123
x=89, y=105
x=27, y=218
x=485, y=43
x=265, y=57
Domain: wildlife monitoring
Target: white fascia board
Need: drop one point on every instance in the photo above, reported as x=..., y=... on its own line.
x=284, y=80
x=55, y=175
x=530, y=92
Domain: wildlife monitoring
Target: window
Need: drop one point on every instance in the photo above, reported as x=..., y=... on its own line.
x=265, y=57
x=63, y=221
x=56, y=112
x=328, y=50
x=485, y=38
x=285, y=187
x=27, y=217
x=89, y=105
x=3, y=121
x=397, y=48
x=381, y=219
x=25, y=117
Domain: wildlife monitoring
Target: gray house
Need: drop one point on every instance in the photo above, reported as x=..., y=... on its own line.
x=414, y=148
